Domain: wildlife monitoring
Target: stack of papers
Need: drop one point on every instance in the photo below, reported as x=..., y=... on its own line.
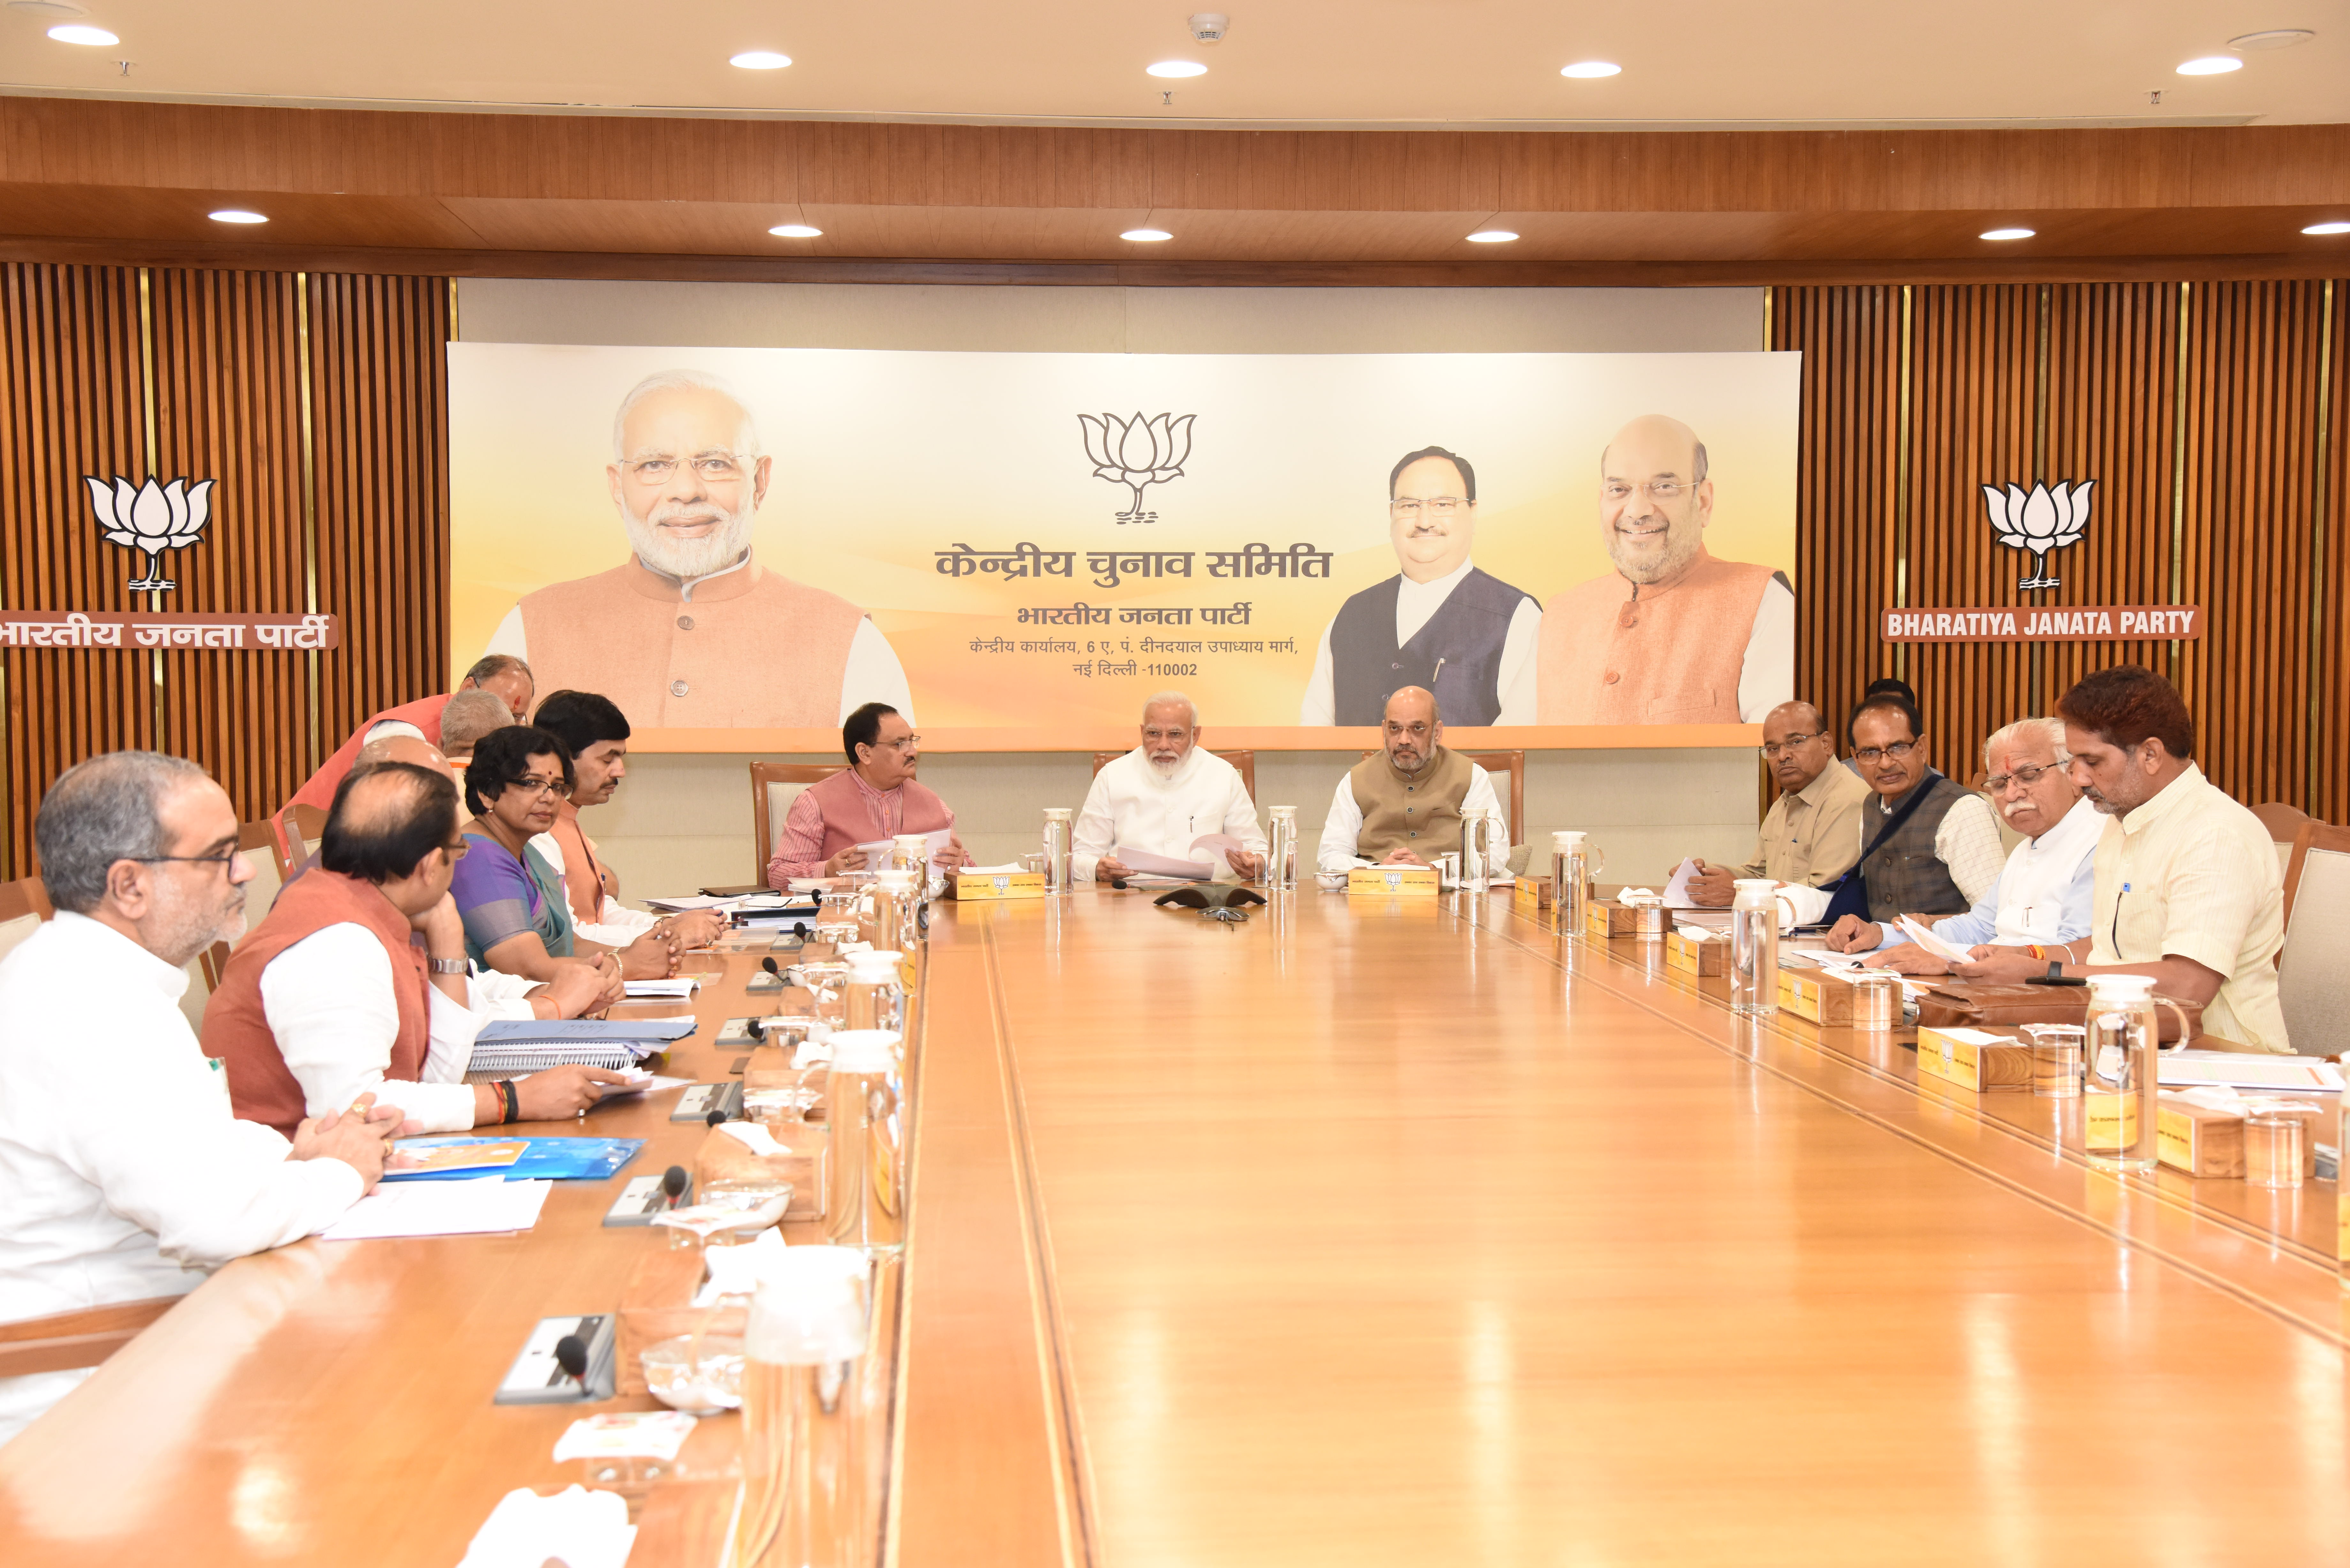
x=486, y=1204
x=680, y=987
x=2243, y=1070
x=519, y=1046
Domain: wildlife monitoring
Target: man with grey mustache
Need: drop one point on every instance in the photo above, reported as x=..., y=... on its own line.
x=2043, y=894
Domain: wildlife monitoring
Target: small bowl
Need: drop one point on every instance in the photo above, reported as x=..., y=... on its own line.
x=702, y=1388
x=1331, y=881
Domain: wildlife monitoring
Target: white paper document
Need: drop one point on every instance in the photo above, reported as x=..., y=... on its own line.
x=1923, y=935
x=680, y=987
x=1149, y=864
x=1677, y=890
x=441, y=1209
x=2243, y=1070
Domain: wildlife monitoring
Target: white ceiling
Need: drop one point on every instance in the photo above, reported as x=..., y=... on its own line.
x=1494, y=63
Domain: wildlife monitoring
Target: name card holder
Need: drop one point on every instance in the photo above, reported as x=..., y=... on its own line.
x=1531, y=895
x=1974, y=1059
x=1818, y=996
x=1393, y=881
x=997, y=887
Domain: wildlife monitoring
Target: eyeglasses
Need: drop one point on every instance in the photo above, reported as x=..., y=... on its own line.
x=534, y=787
x=1997, y=784
x=711, y=467
x=1655, y=489
x=1897, y=750
x=1773, y=750
x=1439, y=506
x=902, y=743
x=224, y=860
x=456, y=851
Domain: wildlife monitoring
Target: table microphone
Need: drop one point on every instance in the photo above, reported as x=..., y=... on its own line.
x=714, y=1118
x=769, y=965
x=571, y=1354
x=1118, y=883
x=799, y=930
x=673, y=1182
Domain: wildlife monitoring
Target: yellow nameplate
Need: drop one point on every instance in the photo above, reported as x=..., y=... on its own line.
x=1816, y=996
x=1974, y=1059
x=2109, y=1123
x=1533, y=894
x=1700, y=956
x=2196, y=1139
x=1393, y=881
x=987, y=886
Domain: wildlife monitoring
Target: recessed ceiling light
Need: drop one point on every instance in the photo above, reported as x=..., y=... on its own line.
x=1177, y=68
x=1146, y=237
x=82, y=33
x=2212, y=66
x=2335, y=228
x=1492, y=237
x=2007, y=233
x=796, y=231
x=1589, y=69
x=2274, y=38
x=759, y=60
x=238, y=215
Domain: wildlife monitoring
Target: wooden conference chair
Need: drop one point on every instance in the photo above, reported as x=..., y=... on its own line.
x=259, y=840
x=23, y=906
x=67, y=1341
x=1515, y=764
x=1244, y=760
x=2314, y=961
x=2284, y=824
x=774, y=787
x=295, y=834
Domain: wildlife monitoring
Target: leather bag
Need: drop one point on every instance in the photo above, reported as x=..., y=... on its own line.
x=1965, y=1005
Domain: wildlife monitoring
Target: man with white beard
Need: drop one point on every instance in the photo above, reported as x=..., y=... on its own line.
x=1160, y=797
x=691, y=631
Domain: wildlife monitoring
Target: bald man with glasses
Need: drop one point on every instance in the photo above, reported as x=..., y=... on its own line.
x=1811, y=833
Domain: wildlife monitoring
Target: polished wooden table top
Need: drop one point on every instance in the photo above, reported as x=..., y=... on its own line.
x=1363, y=1232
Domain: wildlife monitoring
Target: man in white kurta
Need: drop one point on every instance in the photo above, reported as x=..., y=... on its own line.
x=126, y=1176
x=1163, y=795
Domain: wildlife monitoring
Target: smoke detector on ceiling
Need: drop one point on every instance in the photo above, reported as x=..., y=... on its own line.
x=1208, y=26
x=2275, y=39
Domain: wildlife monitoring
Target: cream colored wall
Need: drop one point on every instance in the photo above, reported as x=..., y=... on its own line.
x=683, y=821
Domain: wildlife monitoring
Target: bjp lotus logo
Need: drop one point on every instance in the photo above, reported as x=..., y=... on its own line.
x=1138, y=453
x=2042, y=521
x=151, y=519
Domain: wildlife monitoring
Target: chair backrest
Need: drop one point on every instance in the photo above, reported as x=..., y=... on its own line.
x=259, y=840
x=23, y=906
x=1515, y=764
x=67, y=1341
x=2284, y=824
x=2313, y=964
x=295, y=833
x=774, y=787
x=1244, y=760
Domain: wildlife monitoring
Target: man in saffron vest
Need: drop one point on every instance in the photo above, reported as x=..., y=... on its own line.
x=692, y=631
x=508, y=678
x=1671, y=636
x=1402, y=806
x=330, y=998
x=873, y=799
x=1439, y=624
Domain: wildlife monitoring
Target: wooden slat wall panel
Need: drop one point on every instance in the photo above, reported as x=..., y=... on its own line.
x=2211, y=416
x=228, y=408
x=379, y=379
x=363, y=498
x=72, y=402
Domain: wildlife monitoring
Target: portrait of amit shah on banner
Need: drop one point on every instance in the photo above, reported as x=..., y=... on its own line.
x=769, y=538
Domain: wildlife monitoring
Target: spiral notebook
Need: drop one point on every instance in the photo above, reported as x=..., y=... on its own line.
x=516, y=1047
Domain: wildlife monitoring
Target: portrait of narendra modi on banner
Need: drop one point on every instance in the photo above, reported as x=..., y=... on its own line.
x=766, y=539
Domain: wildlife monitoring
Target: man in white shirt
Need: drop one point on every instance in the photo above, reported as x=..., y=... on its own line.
x=1440, y=623
x=126, y=1178
x=329, y=999
x=1403, y=805
x=1161, y=795
x=2043, y=897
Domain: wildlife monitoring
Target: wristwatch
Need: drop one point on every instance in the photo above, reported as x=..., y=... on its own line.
x=2055, y=971
x=447, y=966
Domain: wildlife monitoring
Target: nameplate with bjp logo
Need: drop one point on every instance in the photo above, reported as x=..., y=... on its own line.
x=1974, y=1059
x=986, y=886
x=1393, y=881
x=1705, y=954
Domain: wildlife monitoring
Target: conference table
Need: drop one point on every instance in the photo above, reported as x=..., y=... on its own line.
x=1362, y=1231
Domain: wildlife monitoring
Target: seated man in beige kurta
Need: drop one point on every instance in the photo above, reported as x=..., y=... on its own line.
x=1671, y=636
x=1811, y=833
x=692, y=632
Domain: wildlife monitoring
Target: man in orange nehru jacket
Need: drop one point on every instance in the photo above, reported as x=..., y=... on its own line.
x=1671, y=636
x=502, y=676
x=692, y=631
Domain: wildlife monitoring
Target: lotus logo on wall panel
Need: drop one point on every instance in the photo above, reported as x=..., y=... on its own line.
x=2042, y=521
x=151, y=519
x=1138, y=453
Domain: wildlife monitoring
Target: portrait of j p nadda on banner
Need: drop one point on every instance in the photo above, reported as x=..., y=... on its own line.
x=692, y=631
x=1673, y=634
